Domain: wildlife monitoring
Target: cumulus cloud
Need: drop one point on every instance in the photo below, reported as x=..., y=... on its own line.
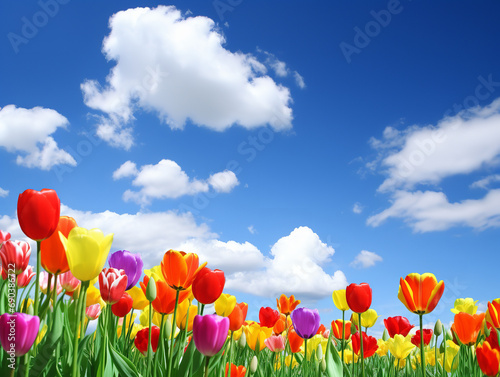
x=365, y=259
x=295, y=267
x=3, y=193
x=178, y=68
x=166, y=179
x=27, y=132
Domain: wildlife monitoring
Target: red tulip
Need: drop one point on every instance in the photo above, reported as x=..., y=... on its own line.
x=369, y=344
x=236, y=371
x=24, y=278
x=123, y=306
x=488, y=355
x=38, y=213
x=141, y=339
x=238, y=316
x=112, y=284
x=268, y=317
x=415, y=339
x=359, y=297
x=15, y=256
x=398, y=325
x=208, y=285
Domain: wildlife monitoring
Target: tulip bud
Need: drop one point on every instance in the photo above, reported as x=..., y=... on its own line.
x=319, y=352
x=385, y=335
x=242, y=342
x=449, y=335
x=323, y=365
x=253, y=365
x=151, y=290
x=438, y=328
x=442, y=346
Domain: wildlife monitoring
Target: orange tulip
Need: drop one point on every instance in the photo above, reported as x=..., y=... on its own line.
x=420, y=293
x=493, y=313
x=488, y=359
x=467, y=327
x=52, y=251
x=337, y=329
x=164, y=302
x=286, y=305
x=238, y=316
x=179, y=268
x=295, y=341
x=281, y=325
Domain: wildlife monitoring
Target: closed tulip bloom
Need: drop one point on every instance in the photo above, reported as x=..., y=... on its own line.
x=15, y=255
x=52, y=251
x=138, y=297
x=180, y=269
x=286, y=305
x=210, y=333
x=93, y=296
x=370, y=345
x=415, y=339
x=295, y=341
x=493, y=313
x=275, y=343
x=185, y=311
x=38, y=213
x=112, y=284
x=141, y=339
x=92, y=312
x=268, y=316
x=400, y=346
x=19, y=330
x=238, y=316
x=337, y=329
x=236, y=371
x=465, y=305
x=467, y=327
x=164, y=302
x=24, y=278
x=86, y=251
x=488, y=359
x=339, y=299
x=398, y=325
x=368, y=318
x=305, y=322
x=54, y=284
x=68, y=282
x=225, y=304
x=123, y=306
x=256, y=335
x=131, y=263
x=282, y=324
x=359, y=297
x=420, y=293
x=208, y=285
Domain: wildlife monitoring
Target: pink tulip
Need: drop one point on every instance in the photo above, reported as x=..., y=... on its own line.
x=112, y=284
x=68, y=282
x=18, y=332
x=93, y=311
x=275, y=343
x=15, y=256
x=24, y=278
x=44, y=282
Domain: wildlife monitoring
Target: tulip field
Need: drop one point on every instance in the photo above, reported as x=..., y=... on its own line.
x=154, y=322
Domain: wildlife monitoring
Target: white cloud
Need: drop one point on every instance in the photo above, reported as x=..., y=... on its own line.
x=486, y=182
x=27, y=131
x=166, y=179
x=299, y=80
x=178, y=68
x=252, y=229
x=357, y=208
x=431, y=211
x=365, y=259
x=3, y=193
x=295, y=268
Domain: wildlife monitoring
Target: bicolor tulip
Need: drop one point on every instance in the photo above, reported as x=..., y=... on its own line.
x=337, y=329
x=238, y=316
x=4, y=236
x=15, y=255
x=282, y=324
x=92, y=312
x=467, y=327
x=397, y=325
x=68, y=282
x=339, y=299
x=210, y=333
x=256, y=335
x=400, y=346
x=38, y=213
x=493, y=313
x=86, y=251
x=359, y=297
x=131, y=263
x=24, y=278
x=123, y=306
x=138, y=297
x=112, y=284
x=465, y=305
x=420, y=293
x=286, y=305
x=368, y=318
x=305, y=322
x=142, y=336
x=185, y=311
x=52, y=252
x=225, y=304
x=268, y=317
x=275, y=343
x=164, y=302
x=370, y=345
x=180, y=269
x=415, y=339
x=236, y=371
x=18, y=330
x=295, y=341
x=208, y=285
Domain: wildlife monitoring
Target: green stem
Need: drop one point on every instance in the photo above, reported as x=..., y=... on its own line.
x=343, y=337
x=436, y=355
x=422, y=354
x=54, y=300
x=80, y=309
x=207, y=360
x=305, y=357
x=37, y=281
x=160, y=348
x=171, y=348
x=12, y=372
x=149, y=339
x=361, y=347
x=27, y=365
x=444, y=353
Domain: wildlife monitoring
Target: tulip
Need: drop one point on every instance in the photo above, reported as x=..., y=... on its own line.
x=208, y=285
x=4, y=236
x=93, y=296
x=488, y=358
x=295, y=341
x=238, y=316
x=339, y=299
x=52, y=251
x=123, y=306
x=141, y=339
x=209, y=333
x=86, y=251
x=316, y=345
x=465, y=305
x=383, y=347
x=369, y=342
x=420, y=293
x=225, y=304
x=15, y=255
x=268, y=317
x=93, y=311
x=398, y=325
x=144, y=317
x=112, y=284
x=186, y=312
x=236, y=371
x=54, y=284
x=275, y=343
x=282, y=324
x=164, y=302
x=131, y=263
x=138, y=297
x=467, y=327
x=24, y=278
x=256, y=335
x=180, y=269
x=38, y=213
x=415, y=339
x=323, y=331
x=339, y=331
x=368, y=318
x=18, y=330
x=493, y=313
x=68, y=282
x=286, y=305
x=359, y=297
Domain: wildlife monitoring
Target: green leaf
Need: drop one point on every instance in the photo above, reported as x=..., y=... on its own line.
x=124, y=366
x=334, y=367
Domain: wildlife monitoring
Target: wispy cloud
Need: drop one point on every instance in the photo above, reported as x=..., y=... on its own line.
x=365, y=259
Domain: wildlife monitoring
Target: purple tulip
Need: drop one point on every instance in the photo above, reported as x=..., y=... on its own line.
x=18, y=332
x=305, y=322
x=210, y=333
x=131, y=263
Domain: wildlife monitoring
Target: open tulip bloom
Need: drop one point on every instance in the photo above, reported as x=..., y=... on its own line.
x=18, y=332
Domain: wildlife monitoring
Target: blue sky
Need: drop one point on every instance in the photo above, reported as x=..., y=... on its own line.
x=297, y=147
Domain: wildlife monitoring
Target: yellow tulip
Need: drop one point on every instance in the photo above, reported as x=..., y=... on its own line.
x=465, y=305
x=368, y=318
x=86, y=251
x=400, y=346
x=135, y=329
x=451, y=351
x=182, y=312
x=138, y=297
x=348, y=356
x=41, y=334
x=257, y=334
x=339, y=299
x=144, y=317
x=314, y=342
x=155, y=273
x=383, y=347
x=94, y=297
x=430, y=358
x=225, y=304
